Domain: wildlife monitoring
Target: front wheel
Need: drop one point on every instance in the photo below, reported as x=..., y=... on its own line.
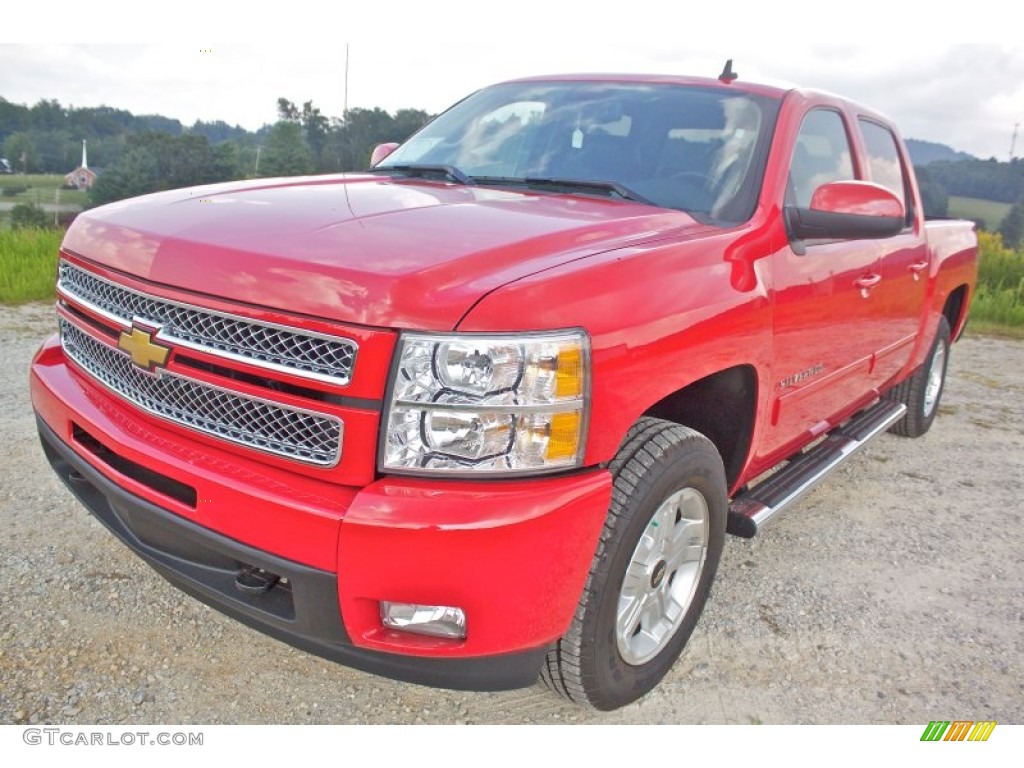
x=653, y=569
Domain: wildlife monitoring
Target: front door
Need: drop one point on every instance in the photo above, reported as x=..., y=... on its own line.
x=826, y=326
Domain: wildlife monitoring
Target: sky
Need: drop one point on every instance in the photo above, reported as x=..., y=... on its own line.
x=930, y=72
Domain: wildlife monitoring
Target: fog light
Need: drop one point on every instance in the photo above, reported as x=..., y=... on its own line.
x=435, y=620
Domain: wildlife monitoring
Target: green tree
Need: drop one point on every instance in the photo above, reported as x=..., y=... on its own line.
x=933, y=195
x=13, y=118
x=315, y=126
x=103, y=151
x=153, y=162
x=987, y=179
x=286, y=153
x=316, y=129
x=20, y=149
x=28, y=216
x=364, y=129
x=217, y=131
x=57, y=152
x=407, y=122
x=1012, y=228
x=287, y=111
x=48, y=115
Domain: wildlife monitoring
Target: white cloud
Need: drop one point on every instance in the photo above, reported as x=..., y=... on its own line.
x=428, y=55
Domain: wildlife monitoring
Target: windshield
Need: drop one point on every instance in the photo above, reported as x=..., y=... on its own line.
x=696, y=149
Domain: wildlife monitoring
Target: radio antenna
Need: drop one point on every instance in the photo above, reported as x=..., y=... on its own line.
x=727, y=75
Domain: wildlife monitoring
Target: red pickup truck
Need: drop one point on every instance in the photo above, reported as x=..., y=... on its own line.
x=488, y=410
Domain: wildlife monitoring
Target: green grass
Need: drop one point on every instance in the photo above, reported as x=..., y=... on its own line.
x=998, y=304
x=989, y=211
x=28, y=264
x=41, y=189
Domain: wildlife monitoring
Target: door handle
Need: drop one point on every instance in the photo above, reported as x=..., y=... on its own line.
x=867, y=283
x=917, y=268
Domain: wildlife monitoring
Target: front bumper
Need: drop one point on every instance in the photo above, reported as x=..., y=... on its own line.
x=513, y=555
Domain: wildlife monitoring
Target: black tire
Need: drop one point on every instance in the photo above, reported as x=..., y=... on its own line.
x=676, y=474
x=922, y=390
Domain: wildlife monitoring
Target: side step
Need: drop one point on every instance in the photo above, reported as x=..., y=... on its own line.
x=754, y=508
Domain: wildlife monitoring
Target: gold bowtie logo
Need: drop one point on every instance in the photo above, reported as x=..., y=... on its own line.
x=145, y=353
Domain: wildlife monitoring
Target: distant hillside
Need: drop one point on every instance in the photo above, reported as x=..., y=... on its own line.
x=983, y=179
x=925, y=152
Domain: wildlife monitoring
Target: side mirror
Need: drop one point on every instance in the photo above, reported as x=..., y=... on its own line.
x=381, y=151
x=847, y=210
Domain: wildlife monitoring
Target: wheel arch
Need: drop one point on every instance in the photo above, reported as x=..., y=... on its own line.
x=955, y=310
x=722, y=406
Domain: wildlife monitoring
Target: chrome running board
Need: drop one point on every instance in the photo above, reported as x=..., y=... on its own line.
x=751, y=510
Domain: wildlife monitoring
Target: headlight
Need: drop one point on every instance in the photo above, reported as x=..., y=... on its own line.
x=487, y=404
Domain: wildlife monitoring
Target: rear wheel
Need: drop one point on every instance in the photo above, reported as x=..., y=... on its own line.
x=653, y=569
x=922, y=391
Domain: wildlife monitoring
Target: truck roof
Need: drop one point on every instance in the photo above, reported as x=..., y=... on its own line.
x=761, y=89
x=776, y=89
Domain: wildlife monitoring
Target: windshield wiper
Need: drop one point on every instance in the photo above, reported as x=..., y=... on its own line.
x=584, y=185
x=587, y=185
x=425, y=169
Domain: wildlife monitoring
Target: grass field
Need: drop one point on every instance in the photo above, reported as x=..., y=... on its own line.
x=28, y=264
x=998, y=303
x=989, y=211
x=41, y=189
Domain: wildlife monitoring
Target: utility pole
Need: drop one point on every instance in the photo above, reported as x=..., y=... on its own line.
x=1013, y=141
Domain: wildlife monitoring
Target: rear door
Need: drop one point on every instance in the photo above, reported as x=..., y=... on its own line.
x=899, y=298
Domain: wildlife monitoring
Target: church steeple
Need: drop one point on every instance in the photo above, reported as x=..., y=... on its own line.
x=85, y=161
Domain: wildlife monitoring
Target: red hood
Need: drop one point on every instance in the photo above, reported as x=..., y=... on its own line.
x=358, y=249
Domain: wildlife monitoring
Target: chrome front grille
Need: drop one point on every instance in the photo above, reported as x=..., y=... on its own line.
x=255, y=423
x=275, y=347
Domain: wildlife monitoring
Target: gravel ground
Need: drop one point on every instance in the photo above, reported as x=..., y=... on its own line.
x=892, y=594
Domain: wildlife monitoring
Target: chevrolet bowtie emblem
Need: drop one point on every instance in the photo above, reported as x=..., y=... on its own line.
x=144, y=351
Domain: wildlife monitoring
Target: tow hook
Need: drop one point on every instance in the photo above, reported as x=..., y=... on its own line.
x=255, y=581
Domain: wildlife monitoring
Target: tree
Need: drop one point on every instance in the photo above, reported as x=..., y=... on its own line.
x=217, y=131
x=153, y=162
x=933, y=195
x=986, y=179
x=286, y=153
x=13, y=118
x=20, y=149
x=28, y=216
x=316, y=129
x=1012, y=228
x=364, y=129
x=315, y=126
x=47, y=115
x=287, y=111
x=57, y=151
x=407, y=122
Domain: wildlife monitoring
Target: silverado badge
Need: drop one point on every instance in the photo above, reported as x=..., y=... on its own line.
x=144, y=351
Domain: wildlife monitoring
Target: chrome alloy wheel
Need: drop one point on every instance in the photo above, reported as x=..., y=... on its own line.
x=935, y=374
x=662, y=576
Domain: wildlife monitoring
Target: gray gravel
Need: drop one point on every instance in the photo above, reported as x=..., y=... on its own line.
x=892, y=594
